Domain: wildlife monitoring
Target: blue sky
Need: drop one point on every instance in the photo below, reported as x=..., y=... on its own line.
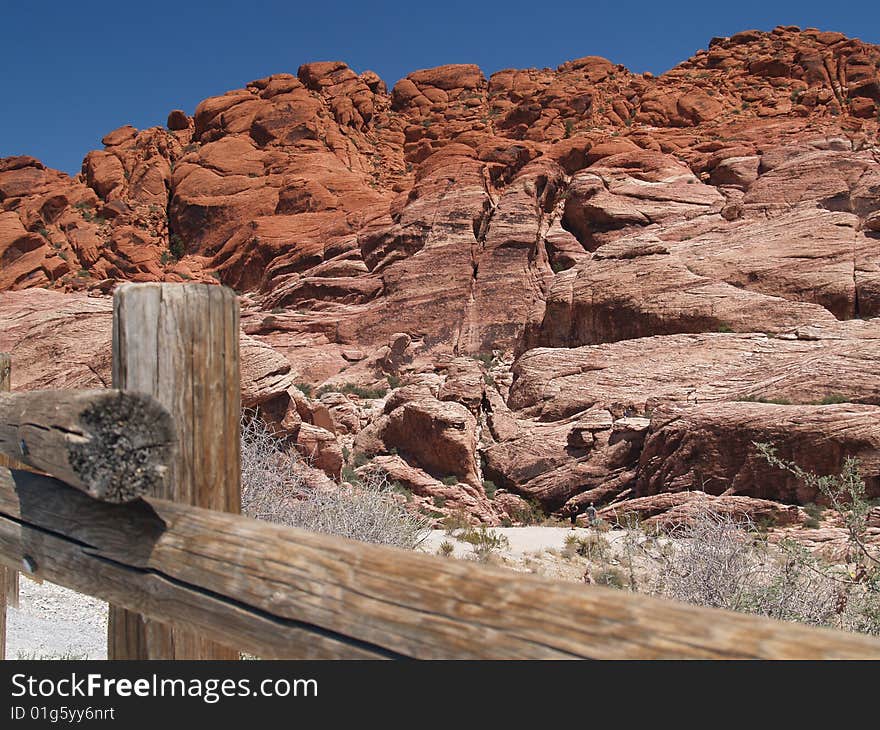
x=72, y=71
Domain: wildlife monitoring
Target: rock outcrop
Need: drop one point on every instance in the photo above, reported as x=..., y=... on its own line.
x=573, y=285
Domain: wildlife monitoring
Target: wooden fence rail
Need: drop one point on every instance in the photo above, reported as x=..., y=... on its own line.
x=186, y=577
x=112, y=445
x=279, y=592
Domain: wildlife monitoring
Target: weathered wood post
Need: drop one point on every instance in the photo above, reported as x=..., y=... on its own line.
x=8, y=578
x=179, y=343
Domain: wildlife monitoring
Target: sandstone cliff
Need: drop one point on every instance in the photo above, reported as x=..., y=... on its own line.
x=586, y=280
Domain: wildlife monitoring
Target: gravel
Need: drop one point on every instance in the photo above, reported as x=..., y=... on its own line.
x=52, y=622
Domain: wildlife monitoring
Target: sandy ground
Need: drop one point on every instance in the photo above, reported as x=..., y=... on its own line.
x=55, y=623
x=52, y=622
x=534, y=549
x=523, y=540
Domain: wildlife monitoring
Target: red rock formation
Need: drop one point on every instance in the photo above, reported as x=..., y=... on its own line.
x=635, y=241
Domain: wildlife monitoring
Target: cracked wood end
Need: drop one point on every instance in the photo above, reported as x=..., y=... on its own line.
x=115, y=446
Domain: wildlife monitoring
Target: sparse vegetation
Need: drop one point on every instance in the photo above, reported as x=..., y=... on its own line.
x=530, y=514
x=593, y=546
x=275, y=489
x=90, y=217
x=176, y=246
x=814, y=514
x=832, y=399
x=489, y=488
x=352, y=389
x=727, y=562
x=487, y=358
x=394, y=381
x=612, y=577
x=458, y=520
x=63, y=656
x=761, y=399
x=484, y=541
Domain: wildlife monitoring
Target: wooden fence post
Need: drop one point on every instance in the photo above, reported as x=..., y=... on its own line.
x=8, y=578
x=179, y=343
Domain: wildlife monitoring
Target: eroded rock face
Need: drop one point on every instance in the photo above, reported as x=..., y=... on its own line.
x=635, y=243
x=635, y=376
x=62, y=341
x=710, y=448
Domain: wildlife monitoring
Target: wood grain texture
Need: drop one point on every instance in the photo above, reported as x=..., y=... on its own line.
x=114, y=446
x=280, y=592
x=179, y=343
x=8, y=576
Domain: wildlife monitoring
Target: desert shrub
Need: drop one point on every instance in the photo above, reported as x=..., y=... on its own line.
x=446, y=549
x=274, y=489
x=858, y=578
x=487, y=358
x=529, y=514
x=450, y=480
x=352, y=389
x=270, y=479
x=176, y=246
x=592, y=547
x=489, y=488
x=814, y=514
x=394, y=381
x=612, y=577
x=365, y=511
x=570, y=548
x=721, y=562
x=484, y=542
x=456, y=521
x=305, y=389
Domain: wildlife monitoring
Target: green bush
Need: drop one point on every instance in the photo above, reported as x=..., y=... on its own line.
x=351, y=389
x=176, y=246
x=814, y=514
x=393, y=381
x=483, y=541
x=611, y=577
x=489, y=488
x=832, y=399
